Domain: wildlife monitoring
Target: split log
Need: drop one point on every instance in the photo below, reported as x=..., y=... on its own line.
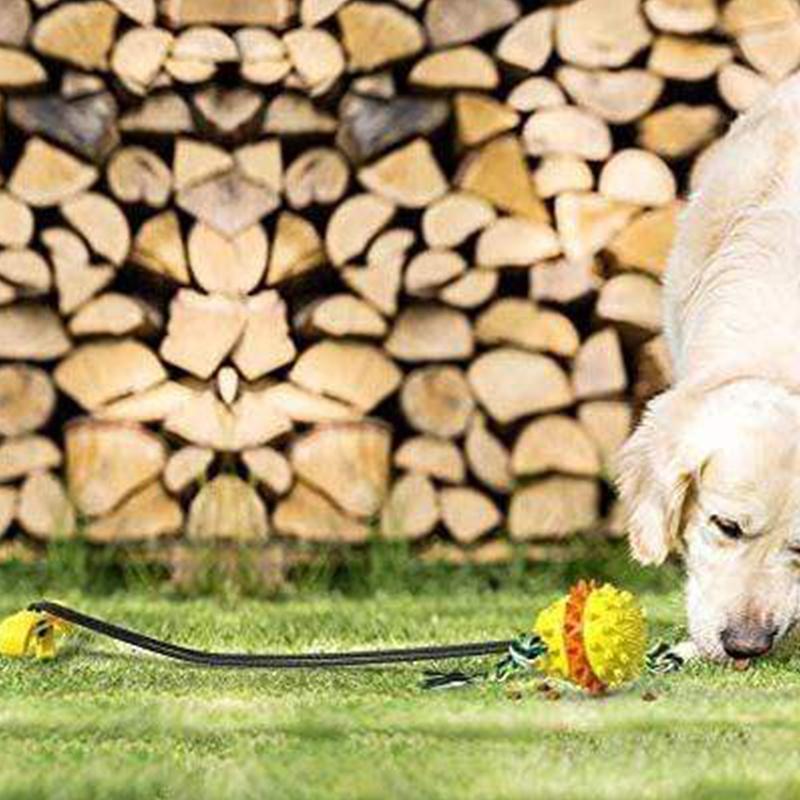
x=451, y=220
x=375, y=34
x=511, y=383
x=354, y=224
x=608, y=423
x=137, y=175
x=646, y=243
x=411, y=510
x=270, y=468
x=16, y=222
x=44, y=510
x=555, y=443
x=653, y=369
x=265, y=344
x=680, y=16
x=378, y=284
x=631, y=302
x=78, y=282
x=262, y=163
x=227, y=508
x=468, y=513
x=151, y=405
x=683, y=59
x=390, y=247
x=562, y=173
x=306, y=407
x=341, y=315
x=101, y=223
x=457, y=68
x=31, y=333
x=480, y=118
x=679, y=130
x=534, y=93
x=636, y=176
x=741, y=16
x=195, y=162
x=141, y=11
x=308, y=515
x=8, y=507
x=437, y=401
x=158, y=247
x=489, y=460
x=230, y=114
x=499, y=173
x=431, y=269
x=227, y=381
x=313, y=12
x=740, y=87
x=316, y=56
x=515, y=242
x=587, y=222
x=232, y=266
x=772, y=50
x=26, y=270
x=518, y=322
x=599, y=370
x=107, y=461
x=319, y=176
x=24, y=454
x=618, y=97
x=292, y=115
x=148, y=514
x=554, y=508
x=263, y=54
x=27, y=399
x=165, y=114
x=296, y=249
x=529, y=43
x=567, y=130
x=440, y=459
x=138, y=57
x=358, y=374
x=594, y=33
x=348, y=462
x=114, y=314
x=430, y=333
x=471, y=290
x=15, y=22
x=187, y=466
x=182, y=13
x=97, y=373
x=450, y=22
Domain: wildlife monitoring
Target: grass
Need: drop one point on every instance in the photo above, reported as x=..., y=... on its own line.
x=104, y=722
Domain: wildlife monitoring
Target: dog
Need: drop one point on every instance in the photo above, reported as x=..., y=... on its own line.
x=713, y=469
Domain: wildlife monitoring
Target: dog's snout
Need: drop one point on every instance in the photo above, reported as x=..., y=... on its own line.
x=747, y=642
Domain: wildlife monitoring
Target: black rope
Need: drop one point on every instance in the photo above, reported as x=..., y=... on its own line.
x=357, y=658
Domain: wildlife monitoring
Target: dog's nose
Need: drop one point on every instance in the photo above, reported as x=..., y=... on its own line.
x=747, y=642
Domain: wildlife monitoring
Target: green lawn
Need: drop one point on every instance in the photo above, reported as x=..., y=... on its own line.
x=104, y=722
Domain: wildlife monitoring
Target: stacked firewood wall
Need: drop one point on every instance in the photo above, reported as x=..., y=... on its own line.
x=331, y=269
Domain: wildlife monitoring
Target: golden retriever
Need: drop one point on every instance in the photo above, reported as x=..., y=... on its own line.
x=713, y=470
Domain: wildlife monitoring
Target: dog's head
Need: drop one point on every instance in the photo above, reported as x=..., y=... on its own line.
x=716, y=476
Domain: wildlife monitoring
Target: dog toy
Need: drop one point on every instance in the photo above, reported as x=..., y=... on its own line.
x=594, y=637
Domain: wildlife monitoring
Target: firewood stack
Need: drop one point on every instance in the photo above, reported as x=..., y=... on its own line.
x=326, y=269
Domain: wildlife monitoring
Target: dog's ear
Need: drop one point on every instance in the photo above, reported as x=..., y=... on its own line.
x=652, y=479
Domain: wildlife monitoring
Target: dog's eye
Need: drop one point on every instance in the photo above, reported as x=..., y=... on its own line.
x=727, y=527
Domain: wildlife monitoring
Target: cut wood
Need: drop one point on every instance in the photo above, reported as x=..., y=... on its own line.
x=8, y=507
x=147, y=515
x=77, y=282
x=646, y=242
x=114, y=314
x=742, y=16
x=684, y=59
x=313, y=12
x=164, y=114
x=358, y=374
x=46, y=175
x=205, y=44
x=409, y=176
x=231, y=266
x=79, y=33
x=391, y=247
x=619, y=97
x=631, y=301
x=319, y=176
x=27, y=399
x=26, y=270
x=15, y=22
x=412, y=509
x=567, y=130
x=141, y=11
x=182, y=13
x=599, y=370
x=306, y=407
x=430, y=332
x=653, y=369
x=16, y=222
x=438, y=458
x=101, y=223
x=187, y=466
x=316, y=56
x=565, y=281
x=489, y=460
x=555, y=443
x=458, y=68
x=468, y=513
x=679, y=130
x=227, y=508
x=608, y=423
x=151, y=405
x=44, y=510
x=741, y=87
x=432, y=269
x=296, y=249
x=32, y=333
x=138, y=57
x=195, y=162
x=202, y=330
x=450, y=22
x=378, y=284
x=348, y=462
x=529, y=43
x=515, y=242
x=451, y=220
x=437, y=401
x=471, y=290
x=588, y=221
x=308, y=515
x=232, y=114
x=270, y=468
x=772, y=50
x=682, y=16
x=636, y=176
x=557, y=174
x=107, y=461
x=23, y=454
x=511, y=383
x=375, y=34
x=97, y=373
x=536, y=92
x=137, y=175
x=518, y=322
x=341, y=315
x=480, y=117
x=262, y=163
x=292, y=115
x=266, y=343
x=19, y=70
x=554, y=508
x=354, y=224
x=498, y=173
x=595, y=33
x=227, y=380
